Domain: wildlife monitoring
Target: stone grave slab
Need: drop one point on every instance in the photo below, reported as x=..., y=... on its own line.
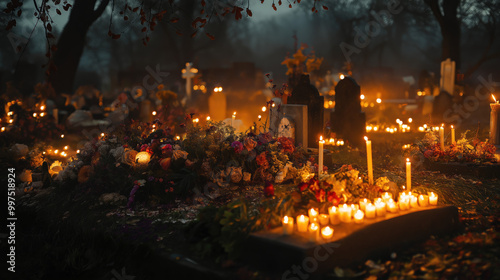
x=487, y=170
x=351, y=243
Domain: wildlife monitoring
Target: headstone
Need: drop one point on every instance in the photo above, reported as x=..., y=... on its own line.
x=442, y=103
x=275, y=116
x=447, y=81
x=146, y=111
x=217, y=104
x=298, y=115
x=306, y=94
x=348, y=121
x=188, y=73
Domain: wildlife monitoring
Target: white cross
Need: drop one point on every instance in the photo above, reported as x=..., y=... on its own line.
x=188, y=73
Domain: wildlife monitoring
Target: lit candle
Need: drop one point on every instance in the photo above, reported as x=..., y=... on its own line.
x=334, y=215
x=302, y=223
x=369, y=160
x=327, y=233
x=354, y=207
x=287, y=225
x=408, y=174
x=413, y=201
x=323, y=219
x=433, y=198
x=370, y=211
x=386, y=196
x=391, y=206
x=494, y=119
x=441, y=137
x=345, y=213
x=313, y=215
x=423, y=200
x=359, y=217
x=404, y=203
x=233, y=118
x=380, y=208
x=362, y=203
x=320, y=157
x=453, y=142
x=313, y=232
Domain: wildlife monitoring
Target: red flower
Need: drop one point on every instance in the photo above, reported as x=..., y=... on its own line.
x=332, y=197
x=313, y=185
x=268, y=189
x=303, y=187
x=262, y=160
x=320, y=195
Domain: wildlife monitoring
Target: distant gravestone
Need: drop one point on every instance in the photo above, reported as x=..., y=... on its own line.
x=217, y=106
x=306, y=94
x=447, y=81
x=348, y=121
x=441, y=104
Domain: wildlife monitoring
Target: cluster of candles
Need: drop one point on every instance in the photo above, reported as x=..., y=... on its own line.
x=317, y=225
x=440, y=129
x=59, y=153
x=402, y=127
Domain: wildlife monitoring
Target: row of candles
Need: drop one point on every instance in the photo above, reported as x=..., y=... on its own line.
x=316, y=224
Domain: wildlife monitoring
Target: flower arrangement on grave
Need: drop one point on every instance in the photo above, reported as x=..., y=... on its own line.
x=343, y=186
x=466, y=150
x=301, y=63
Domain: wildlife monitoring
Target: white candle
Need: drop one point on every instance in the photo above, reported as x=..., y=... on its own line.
x=359, y=217
x=423, y=200
x=320, y=156
x=313, y=215
x=327, y=233
x=404, y=203
x=323, y=219
x=313, y=232
x=287, y=225
x=441, y=137
x=453, y=142
x=391, y=206
x=362, y=203
x=370, y=211
x=386, y=196
x=413, y=201
x=302, y=223
x=408, y=174
x=345, y=213
x=380, y=208
x=433, y=198
x=334, y=215
x=369, y=160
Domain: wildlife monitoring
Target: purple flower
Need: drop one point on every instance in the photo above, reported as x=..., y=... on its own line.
x=238, y=147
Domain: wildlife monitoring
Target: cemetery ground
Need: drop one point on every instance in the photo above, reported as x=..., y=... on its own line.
x=64, y=233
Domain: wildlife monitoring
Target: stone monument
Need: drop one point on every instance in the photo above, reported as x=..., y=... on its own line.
x=348, y=121
x=447, y=81
x=306, y=94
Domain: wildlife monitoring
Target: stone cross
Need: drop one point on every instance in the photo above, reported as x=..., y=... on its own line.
x=188, y=73
x=447, y=81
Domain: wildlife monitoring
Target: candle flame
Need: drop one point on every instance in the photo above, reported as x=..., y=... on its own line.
x=407, y=160
x=451, y=126
x=366, y=138
x=442, y=125
x=302, y=218
x=321, y=138
x=313, y=226
x=285, y=220
x=327, y=231
x=494, y=98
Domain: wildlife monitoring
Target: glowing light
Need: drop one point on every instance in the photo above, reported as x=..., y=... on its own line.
x=375, y=128
x=102, y=134
x=77, y=151
x=42, y=107
x=494, y=98
x=65, y=147
x=273, y=105
x=195, y=87
x=197, y=120
x=260, y=117
x=379, y=100
x=62, y=135
x=177, y=137
x=208, y=118
x=11, y=121
x=142, y=158
x=42, y=114
x=34, y=115
x=264, y=108
x=342, y=76
x=3, y=129
x=410, y=120
x=10, y=113
x=154, y=113
x=362, y=96
x=56, y=152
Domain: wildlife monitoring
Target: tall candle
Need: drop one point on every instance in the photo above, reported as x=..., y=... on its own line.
x=453, y=142
x=433, y=198
x=359, y=217
x=313, y=232
x=327, y=233
x=369, y=160
x=334, y=215
x=370, y=211
x=287, y=225
x=408, y=174
x=320, y=157
x=345, y=213
x=494, y=119
x=441, y=137
x=302, y=223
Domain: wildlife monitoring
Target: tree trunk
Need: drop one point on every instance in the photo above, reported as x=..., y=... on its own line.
x=71, y=44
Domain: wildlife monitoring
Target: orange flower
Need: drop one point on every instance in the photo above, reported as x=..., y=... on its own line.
x=84, y=174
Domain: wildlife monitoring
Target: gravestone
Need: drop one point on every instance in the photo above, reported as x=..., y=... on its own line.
x=447, y=81
x=348, y=121
x=217, y=104
x=306, y=94
x=275, y=116
x=146, y=111
x=296, y=115
x=441, y=104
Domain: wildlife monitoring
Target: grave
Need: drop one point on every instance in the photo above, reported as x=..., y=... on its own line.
x=447, y=81
x=441, y=104
x=306, y=94
x=348, y=121
x=292, y=123
x=351, y=243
